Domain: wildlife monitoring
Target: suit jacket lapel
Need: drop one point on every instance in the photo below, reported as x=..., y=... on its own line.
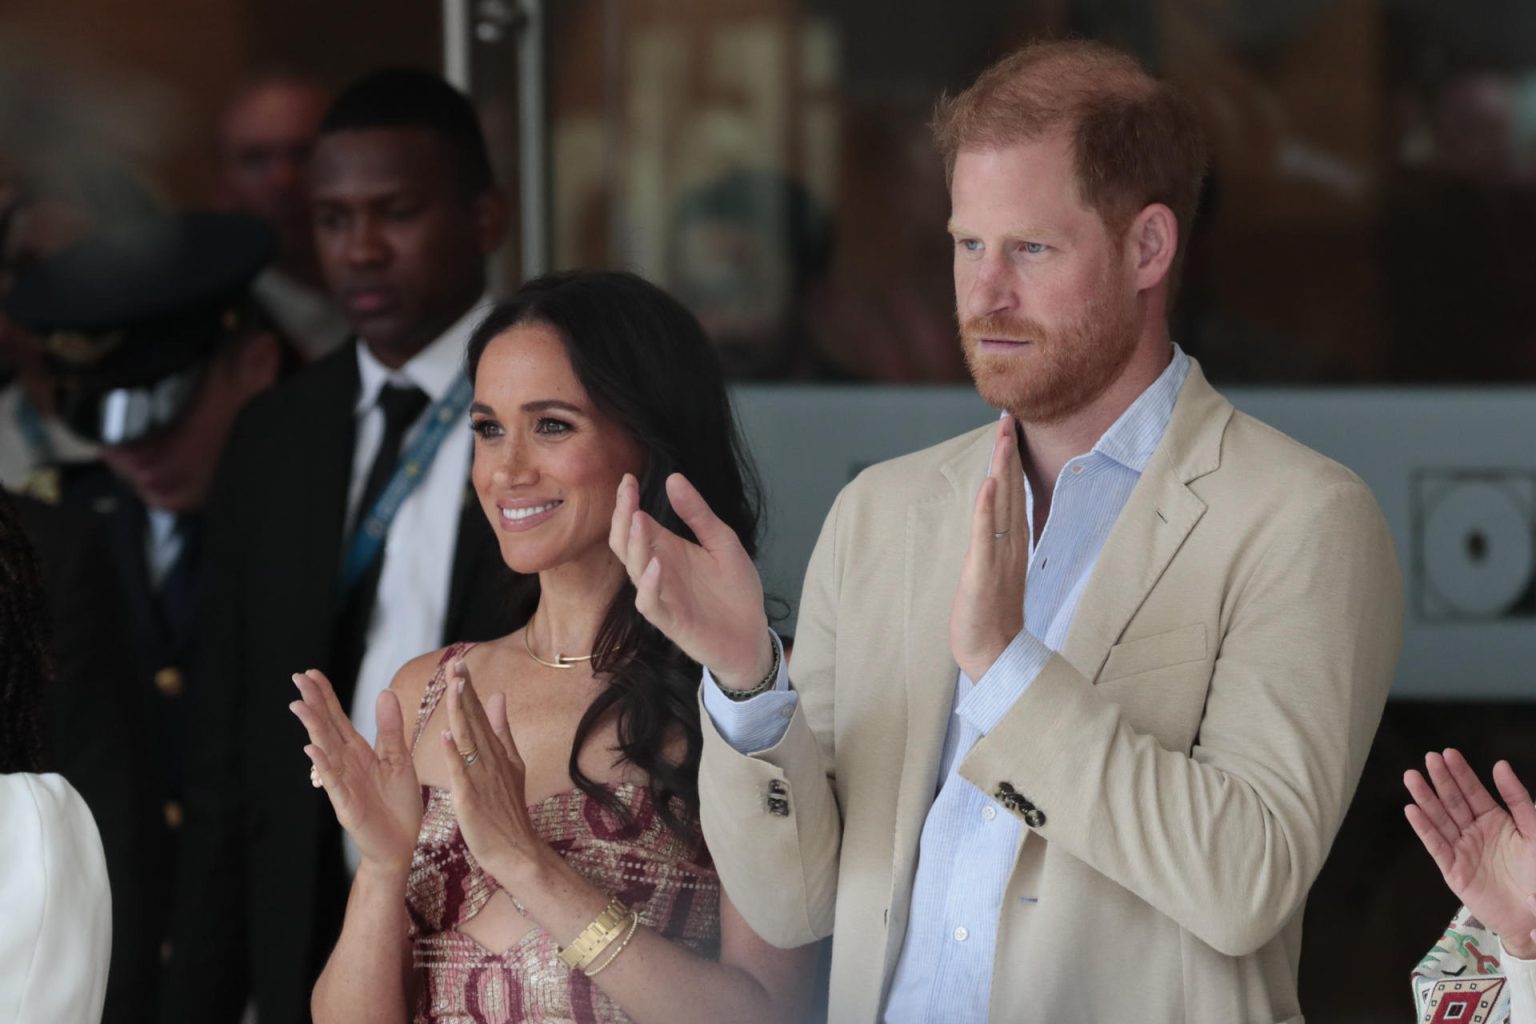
x=320, y=511
x=938, y=533
x=1161, y=512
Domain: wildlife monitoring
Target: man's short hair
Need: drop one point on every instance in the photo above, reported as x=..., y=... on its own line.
x=1135, y=139
x=411, y=98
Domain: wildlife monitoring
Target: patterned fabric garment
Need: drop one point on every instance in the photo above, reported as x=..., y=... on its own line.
x=1460, y=979
x=669, y=879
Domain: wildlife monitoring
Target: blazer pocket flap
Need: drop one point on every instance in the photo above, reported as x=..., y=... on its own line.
x=1175, y=647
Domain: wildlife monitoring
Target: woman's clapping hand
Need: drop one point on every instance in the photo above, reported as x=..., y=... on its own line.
x=488, y=780
x=372, y=789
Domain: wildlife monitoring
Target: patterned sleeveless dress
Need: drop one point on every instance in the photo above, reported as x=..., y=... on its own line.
x=669, y=879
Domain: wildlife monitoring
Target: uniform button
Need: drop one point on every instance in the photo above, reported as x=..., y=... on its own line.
x=170, y=682
x=1034, y=817
x=989, y=812
x=961, y=934
x=173, y=814
x=778, y=806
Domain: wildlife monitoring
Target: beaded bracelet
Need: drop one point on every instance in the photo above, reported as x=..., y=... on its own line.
x=762, y=687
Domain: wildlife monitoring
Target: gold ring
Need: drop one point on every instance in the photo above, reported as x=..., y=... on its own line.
x=470, y=758
x=314, y=777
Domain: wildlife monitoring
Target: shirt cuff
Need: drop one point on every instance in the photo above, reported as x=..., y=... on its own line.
x=757, y=723
x=1004, y=683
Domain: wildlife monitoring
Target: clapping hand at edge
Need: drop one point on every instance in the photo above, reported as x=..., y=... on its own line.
x=1485, y=852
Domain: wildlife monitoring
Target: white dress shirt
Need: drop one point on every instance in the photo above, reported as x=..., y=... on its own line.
x=945, y=968
x=412, y=603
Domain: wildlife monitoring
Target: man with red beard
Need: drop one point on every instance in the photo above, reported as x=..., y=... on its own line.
x=1079, y=699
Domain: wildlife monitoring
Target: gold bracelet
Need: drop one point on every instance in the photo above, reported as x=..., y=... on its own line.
x=634, y=923
x=595, y=937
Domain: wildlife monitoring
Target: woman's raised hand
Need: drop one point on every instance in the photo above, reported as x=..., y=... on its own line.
x=706, y=597
x=372, y=789
x=488, y=781
x=1486, y=854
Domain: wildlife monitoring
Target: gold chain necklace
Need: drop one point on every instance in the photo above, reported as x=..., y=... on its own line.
x=561, y=660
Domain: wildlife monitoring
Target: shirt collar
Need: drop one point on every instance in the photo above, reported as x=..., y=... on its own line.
x=433, y=369
x=1133, y=437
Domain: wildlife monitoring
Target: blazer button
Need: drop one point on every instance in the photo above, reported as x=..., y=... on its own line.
x=1034, y=817
x=778, y=798
x=169, y=682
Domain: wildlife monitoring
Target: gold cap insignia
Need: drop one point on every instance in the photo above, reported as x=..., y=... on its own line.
x=83, y=349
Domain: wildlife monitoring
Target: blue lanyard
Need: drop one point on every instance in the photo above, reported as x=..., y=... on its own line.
x=30, y=422
x=373, y=528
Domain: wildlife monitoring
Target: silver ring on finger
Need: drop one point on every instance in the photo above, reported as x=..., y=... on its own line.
x=470, y=758
x=1000, y=534
x=314, y=777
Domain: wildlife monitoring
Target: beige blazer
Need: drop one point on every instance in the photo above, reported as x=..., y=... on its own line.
x=1192, y=749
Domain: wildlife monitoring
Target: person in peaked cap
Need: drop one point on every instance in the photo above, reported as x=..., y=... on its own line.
x=155, y=345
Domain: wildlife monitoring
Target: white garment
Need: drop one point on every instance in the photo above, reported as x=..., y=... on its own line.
x=55, y=905
x=412, y=603
x=1522, y=987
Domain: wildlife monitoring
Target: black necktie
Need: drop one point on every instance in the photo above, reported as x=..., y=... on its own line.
x=401, y=407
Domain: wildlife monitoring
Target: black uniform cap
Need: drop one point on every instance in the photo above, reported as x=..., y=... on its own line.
x=137, y=306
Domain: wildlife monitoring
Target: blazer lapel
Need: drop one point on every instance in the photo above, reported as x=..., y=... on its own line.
x=1161, y=512
x=938, y=533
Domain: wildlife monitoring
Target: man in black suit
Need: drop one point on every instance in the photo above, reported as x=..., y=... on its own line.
x=342, y=539
x=153, y=342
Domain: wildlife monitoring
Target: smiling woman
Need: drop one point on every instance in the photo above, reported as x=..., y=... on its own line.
x=541, y=826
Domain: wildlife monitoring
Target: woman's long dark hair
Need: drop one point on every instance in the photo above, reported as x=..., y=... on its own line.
x=25, y=664
x=648, y=366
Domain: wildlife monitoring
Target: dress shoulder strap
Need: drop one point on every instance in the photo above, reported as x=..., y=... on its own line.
x=436, y=687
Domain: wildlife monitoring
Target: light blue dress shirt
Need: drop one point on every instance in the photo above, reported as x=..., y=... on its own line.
x=945, y=968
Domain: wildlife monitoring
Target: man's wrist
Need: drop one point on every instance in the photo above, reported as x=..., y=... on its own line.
x=766, y=669
x=978, y=664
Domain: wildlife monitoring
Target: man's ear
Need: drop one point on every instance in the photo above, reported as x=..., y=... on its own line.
x=1153, y=239
x=491, y=218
